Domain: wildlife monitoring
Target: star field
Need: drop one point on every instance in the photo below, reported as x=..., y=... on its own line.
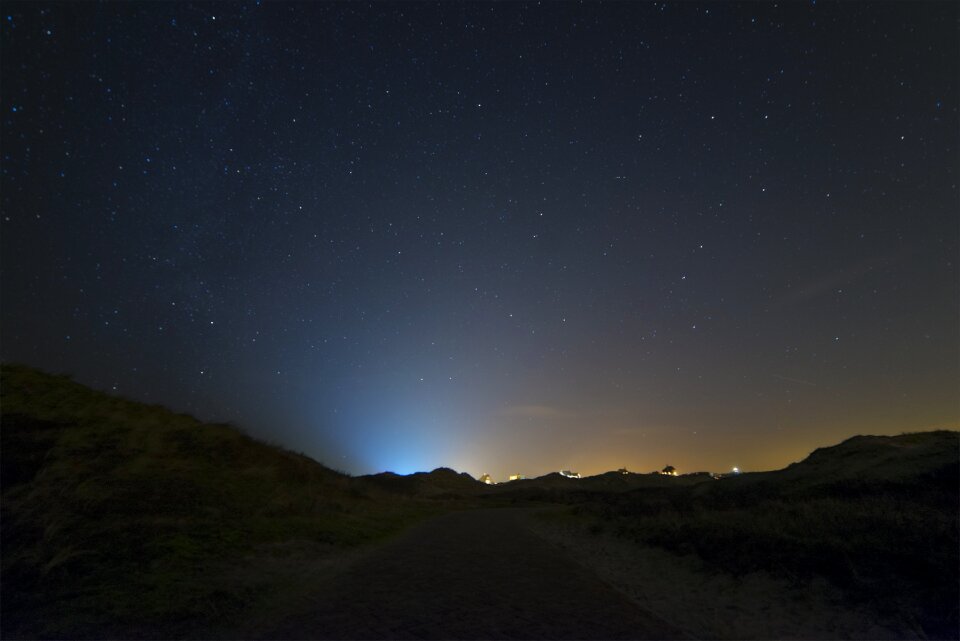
x=497, y=237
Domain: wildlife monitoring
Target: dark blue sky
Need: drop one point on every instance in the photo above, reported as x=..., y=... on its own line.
x=500, y=237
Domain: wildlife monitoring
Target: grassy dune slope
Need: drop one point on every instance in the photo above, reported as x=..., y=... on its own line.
x=122, y=519
x=876, y=516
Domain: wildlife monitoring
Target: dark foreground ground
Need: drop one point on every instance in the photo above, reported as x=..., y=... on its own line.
x=478, y=574
x=125, y=521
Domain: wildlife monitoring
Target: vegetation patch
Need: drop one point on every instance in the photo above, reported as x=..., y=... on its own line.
x=126, y=520
x=885, y=533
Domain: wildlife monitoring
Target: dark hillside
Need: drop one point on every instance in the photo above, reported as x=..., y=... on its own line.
x=440, y=483
x=118, y=518
x=903, y=458
x=862, y=462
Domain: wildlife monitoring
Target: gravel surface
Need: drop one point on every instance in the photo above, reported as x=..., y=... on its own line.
x=481, y=574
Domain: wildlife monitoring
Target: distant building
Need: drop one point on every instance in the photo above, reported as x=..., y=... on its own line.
x=669, y=471
x=734, y=472
x=569, y=474
x=486, y=479
x=623, y=470
x=517, y=477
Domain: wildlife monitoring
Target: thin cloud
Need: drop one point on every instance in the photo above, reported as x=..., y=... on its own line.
x=794, y=380
x=538, y=412
x=842, y=278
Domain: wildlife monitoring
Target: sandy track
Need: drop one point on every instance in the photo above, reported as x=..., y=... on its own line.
x=469, y=575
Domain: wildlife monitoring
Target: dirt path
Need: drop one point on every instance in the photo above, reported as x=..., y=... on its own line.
x=469, y=575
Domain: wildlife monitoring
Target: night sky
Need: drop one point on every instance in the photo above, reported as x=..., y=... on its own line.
x=506, y=238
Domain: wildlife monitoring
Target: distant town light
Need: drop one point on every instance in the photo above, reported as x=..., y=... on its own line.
x=569, y=474
x=517, y=477
x=486, y=479
x=736, y=470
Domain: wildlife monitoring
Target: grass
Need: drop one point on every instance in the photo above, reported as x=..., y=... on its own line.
x=122, y=519
x=891, y=545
